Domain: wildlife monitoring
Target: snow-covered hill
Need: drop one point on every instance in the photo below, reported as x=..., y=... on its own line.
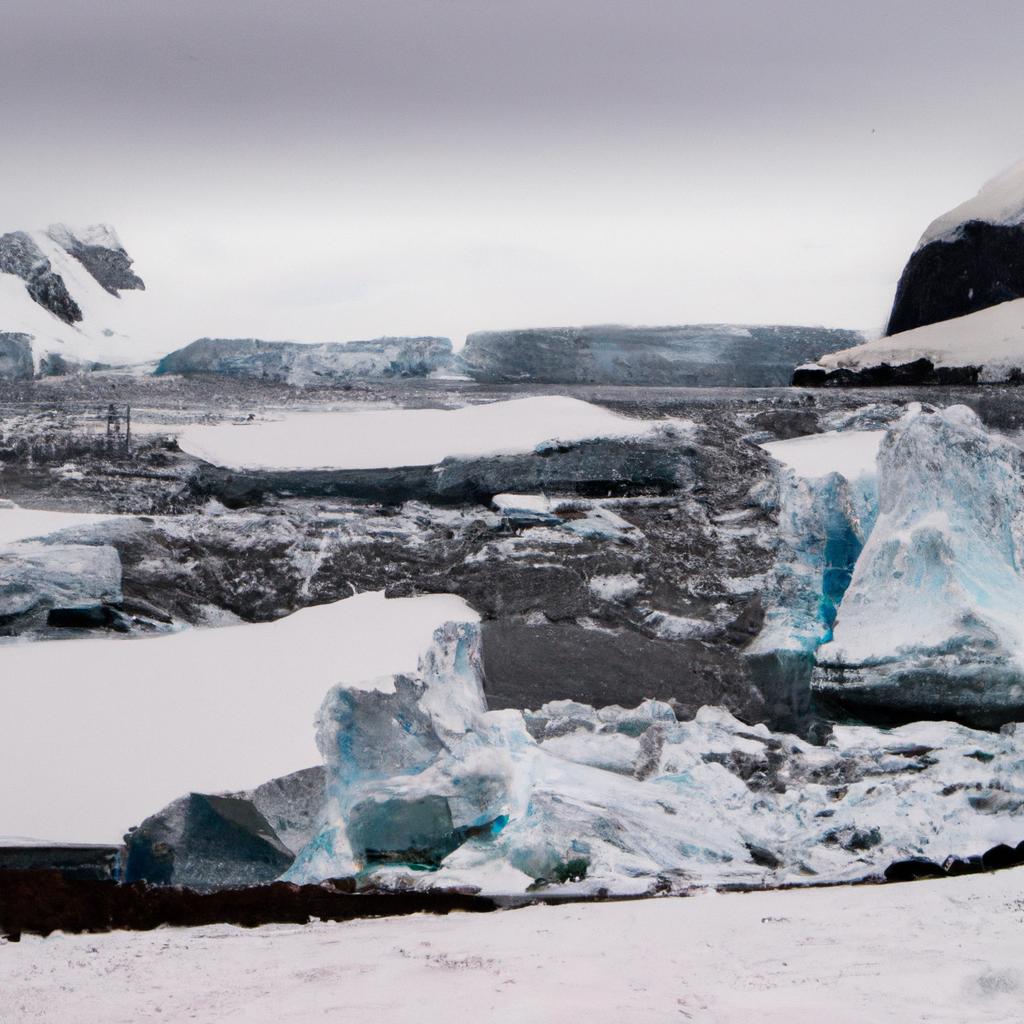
x=72, y=294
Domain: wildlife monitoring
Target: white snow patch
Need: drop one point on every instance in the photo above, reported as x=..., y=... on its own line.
x=852, y=453
x=619, y=587
x=23, y=523
x=373, y=439
x=992, y=338
x=100, y=733
x=943, y=951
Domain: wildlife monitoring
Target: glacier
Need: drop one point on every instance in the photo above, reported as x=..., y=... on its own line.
x=428, y=787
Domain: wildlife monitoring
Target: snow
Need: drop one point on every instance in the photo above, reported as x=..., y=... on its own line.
x=115, y=329
x=945, y=952
x=992, y=338
x=23, y=523
x=999, y=201
x=361, y=439
x=101, y=733
x=849, y=452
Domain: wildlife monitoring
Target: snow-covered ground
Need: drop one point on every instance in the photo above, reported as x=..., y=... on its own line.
x=992, y=338
x=99, y=733
x=850, y=452
x=22, y=523
x=361, y=439
x=945, y=952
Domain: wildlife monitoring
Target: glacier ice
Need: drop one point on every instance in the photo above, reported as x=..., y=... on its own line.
x=931, y=624
x=426, y=786
x=826, y=501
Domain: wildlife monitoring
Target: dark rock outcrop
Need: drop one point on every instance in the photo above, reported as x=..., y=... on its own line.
x=16, y=356
x=599, y=468
x=712, y=355
x=918, y=372
x=72, y=861
x=19, y=255
x=108, y=262
x=301, y=364
x=981, y=266
x=41, y=902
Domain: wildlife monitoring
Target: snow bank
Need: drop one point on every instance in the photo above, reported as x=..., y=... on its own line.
x=100, y=733
x=991, y=338
x=24, y=523
x=849, y=452
x=946, y=952
x=375, y=439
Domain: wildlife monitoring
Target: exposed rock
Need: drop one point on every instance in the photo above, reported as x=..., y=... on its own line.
x=884, y=375
x=72, y=861
x=706, y=355
x=100, y=251
x=301, y=364
x=41, y=902
x=19, y=255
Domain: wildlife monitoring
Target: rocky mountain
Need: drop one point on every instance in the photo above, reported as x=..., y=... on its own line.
x=701, y=355
x=62, y=301
x=302, y=364
x=957, y=317
x=968, y=259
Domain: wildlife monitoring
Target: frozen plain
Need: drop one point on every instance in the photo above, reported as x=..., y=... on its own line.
x=944, y=952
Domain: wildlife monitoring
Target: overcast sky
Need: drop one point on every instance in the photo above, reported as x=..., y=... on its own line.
x=326, y=170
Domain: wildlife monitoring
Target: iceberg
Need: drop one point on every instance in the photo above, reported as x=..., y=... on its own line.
x=930, y=626
x=427, y=787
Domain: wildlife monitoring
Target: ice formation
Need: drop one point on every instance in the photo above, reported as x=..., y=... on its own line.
x=426, y=786
x=931, y=624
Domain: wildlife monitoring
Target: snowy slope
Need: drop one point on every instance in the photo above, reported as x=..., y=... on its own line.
x=100, y=733
x=945, y=952
x=114, y=329
x=991, y=338
x=360, y=439
x=999, y=201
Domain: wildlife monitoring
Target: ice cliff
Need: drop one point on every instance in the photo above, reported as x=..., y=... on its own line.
x=700, y=355
x=303, y=364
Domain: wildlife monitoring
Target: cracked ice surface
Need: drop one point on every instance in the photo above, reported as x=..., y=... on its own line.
x=428, y=786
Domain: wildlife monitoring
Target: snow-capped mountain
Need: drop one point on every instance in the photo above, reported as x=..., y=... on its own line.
x=968, y=259
x=957, y=317
x=69, y=297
